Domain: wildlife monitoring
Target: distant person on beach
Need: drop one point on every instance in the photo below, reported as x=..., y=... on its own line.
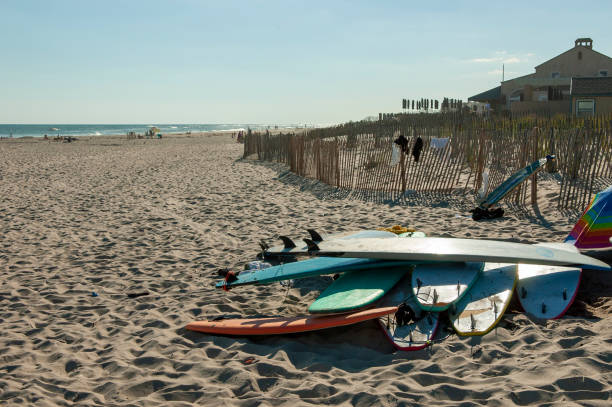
x=46, y=138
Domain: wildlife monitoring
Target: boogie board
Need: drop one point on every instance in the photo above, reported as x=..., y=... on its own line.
x=484, y=305
x=415, y=335
x=438, y=285
x=428, y=249
x=285, y=325
x=357, y=289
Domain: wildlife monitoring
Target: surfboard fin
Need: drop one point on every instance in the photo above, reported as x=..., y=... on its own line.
x=264, y=246
x=287, y=242
x=314, y=235
x=312, y=246
x=543, y=308
x=472, y=322
x=565, y=294
x=523, y=292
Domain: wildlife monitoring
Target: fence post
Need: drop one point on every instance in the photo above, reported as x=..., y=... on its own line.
x=534, y=178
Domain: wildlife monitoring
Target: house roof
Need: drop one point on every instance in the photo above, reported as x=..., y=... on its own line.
x=487, y=96
x=591, y=86
x=579, y=47
x=535, y=81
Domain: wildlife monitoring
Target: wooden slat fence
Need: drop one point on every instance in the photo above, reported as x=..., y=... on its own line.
x=457, y=151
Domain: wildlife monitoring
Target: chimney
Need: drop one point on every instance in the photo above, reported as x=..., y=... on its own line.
x=584, y=42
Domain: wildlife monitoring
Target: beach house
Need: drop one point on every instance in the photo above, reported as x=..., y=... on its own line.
x=548, y=89
x=591, y=96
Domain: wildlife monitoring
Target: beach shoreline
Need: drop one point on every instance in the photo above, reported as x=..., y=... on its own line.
x=85, y=223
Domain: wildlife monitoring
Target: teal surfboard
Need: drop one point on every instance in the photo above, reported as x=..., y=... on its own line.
x=357, y=289
x=317, y=266
x=514, y=181
x=307, y=268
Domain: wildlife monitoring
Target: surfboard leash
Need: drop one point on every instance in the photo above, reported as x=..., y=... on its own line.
x=228, y=278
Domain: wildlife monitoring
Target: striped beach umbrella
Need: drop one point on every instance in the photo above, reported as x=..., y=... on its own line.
x=594, y=229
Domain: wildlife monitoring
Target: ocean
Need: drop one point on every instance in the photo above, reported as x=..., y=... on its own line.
x=39, y=130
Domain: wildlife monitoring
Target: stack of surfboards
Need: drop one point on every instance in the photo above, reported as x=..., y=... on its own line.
x=409, y=282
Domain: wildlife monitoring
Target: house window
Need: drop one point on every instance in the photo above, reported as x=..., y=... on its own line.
x=555, y=75
x=585, y=107
x=603, y=73
x=579, y=54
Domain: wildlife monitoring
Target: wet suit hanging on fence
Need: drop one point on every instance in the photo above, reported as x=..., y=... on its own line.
x=416, y=150
x=402, y=142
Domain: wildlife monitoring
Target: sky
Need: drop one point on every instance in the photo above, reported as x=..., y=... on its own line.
x=276, y=61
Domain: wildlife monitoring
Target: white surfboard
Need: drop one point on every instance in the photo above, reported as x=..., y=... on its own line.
x=428, y=249
x=547, y=292
x=291, y=247
x=412, y=336
x=436, y=286
x=484, y=305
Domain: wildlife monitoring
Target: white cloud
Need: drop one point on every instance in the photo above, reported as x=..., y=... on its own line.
x=485, y=60
x=502, y=57
x=499, y=72
x=512, y=60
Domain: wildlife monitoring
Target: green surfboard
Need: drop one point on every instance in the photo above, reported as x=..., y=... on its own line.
x=357, y=289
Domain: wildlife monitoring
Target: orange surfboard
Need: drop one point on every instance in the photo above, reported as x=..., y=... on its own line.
x=285, y=325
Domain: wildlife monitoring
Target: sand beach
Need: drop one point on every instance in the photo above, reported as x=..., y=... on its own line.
x=86, y=223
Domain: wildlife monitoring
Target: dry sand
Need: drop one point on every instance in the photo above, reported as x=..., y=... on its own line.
x=113, y=216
